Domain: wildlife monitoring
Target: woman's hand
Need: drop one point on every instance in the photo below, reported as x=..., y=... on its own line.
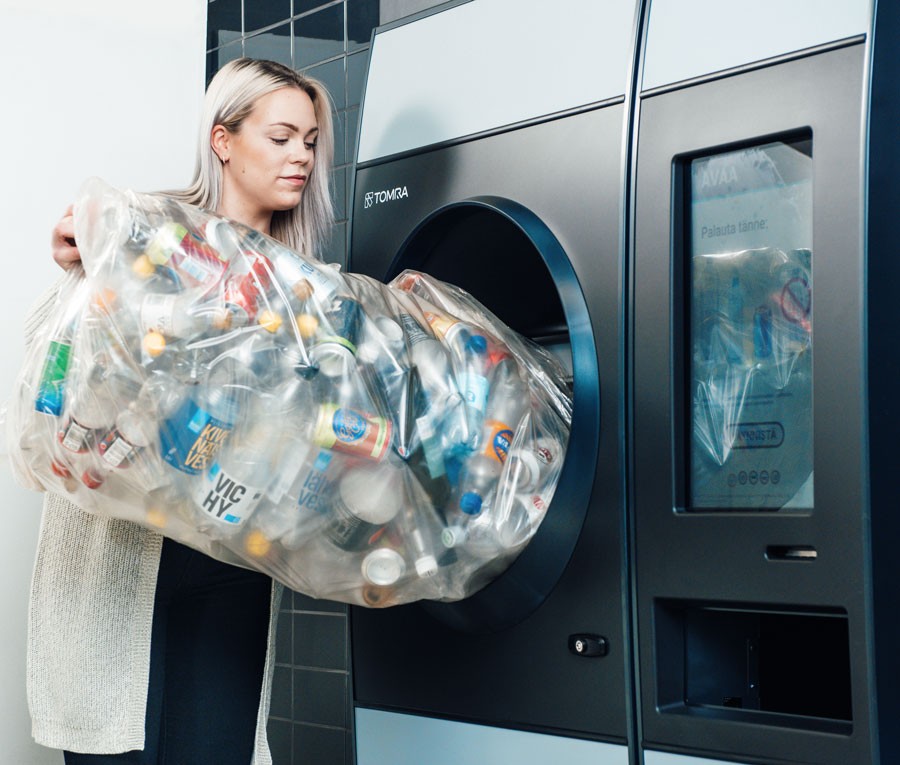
x=65, y=251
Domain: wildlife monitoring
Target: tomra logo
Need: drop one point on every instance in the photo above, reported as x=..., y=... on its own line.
x=373, y=198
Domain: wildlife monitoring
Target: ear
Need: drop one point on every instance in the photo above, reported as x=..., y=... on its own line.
x=220, y=140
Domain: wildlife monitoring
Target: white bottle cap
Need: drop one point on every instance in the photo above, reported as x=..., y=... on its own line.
x=383, y=566
x=426, y=566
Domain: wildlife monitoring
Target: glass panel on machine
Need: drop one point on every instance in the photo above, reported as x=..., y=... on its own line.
x=750, y=328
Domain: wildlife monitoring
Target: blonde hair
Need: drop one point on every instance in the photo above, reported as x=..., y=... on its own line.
x=230, y=98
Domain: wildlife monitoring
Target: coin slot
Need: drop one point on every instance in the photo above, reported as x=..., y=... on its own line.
x=803, y=553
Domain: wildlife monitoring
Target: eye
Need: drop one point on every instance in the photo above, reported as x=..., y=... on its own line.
x=310, y=145
x=279, y=141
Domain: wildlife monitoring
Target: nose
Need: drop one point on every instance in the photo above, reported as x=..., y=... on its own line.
x=301, y=155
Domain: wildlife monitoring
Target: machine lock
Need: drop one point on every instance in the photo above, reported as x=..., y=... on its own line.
x=588, y=645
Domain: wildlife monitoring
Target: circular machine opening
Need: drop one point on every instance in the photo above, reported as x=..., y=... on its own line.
x=507, y=258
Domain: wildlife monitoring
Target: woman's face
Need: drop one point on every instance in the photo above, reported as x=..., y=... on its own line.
x=270, y=158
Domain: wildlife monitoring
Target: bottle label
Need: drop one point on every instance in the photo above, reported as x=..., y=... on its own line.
x=350, y=532
x=49, y=397
x=499, y=439
x=414, y=332
x=323, y=287
x=115, y=450
x=441, y=325
x=475, y=390
x=192, y=437
x=158, y=312
x=315, y=483
x=347, y=430
x=74, y=437
x=225, y=497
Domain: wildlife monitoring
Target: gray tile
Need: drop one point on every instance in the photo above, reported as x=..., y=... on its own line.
x=357, y=65
x=320, y=640
x=303, y=6
x=321, y=697
x=339, y=192
x=216, y=59
x=319, y=36
x=352, y=125
x=223, y=20
x=321, y=746
x=284, y=638
x=282, y=693
x=258, y=15
x=335, y=250
x=331, y=75
x=362, y=18
x=275, y=45
x=281, y=733
x=340, y=138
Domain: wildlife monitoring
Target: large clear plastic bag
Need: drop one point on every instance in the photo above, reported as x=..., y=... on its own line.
x=369, y=443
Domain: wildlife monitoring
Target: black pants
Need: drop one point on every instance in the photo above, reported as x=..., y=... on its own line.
x=207, y=657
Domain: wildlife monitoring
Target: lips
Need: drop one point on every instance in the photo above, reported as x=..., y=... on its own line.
x=294, y=180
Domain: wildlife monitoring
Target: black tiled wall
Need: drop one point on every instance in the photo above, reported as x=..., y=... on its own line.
x=312, y=701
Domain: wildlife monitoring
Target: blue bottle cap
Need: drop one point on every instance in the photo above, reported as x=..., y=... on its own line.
x=470, y=503
x=476, y=344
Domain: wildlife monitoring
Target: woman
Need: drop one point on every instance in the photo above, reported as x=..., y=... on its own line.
x=142, y=650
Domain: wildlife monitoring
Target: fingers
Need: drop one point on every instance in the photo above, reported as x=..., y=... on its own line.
x=62, y=242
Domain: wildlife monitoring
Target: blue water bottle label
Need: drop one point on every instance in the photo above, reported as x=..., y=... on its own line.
x=315, y=484
x=51, y=387
x=475, y=390
x=191, y=438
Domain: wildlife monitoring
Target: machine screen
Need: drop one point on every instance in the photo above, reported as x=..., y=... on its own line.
x=749, y=339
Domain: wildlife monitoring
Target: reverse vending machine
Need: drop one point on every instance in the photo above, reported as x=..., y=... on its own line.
x=693, y=204
x=763, y=481
x=491, y=155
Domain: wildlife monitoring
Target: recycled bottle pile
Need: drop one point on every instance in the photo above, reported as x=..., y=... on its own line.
x=369, y=443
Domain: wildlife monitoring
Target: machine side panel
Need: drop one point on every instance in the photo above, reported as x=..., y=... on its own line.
x=691, y=38
x=388, y=738
x=484, y=65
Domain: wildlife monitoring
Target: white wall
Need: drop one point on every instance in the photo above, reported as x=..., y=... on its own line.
x=94, y=87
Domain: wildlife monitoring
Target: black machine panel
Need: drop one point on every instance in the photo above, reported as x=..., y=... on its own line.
x=478, y=216
x=753, y=619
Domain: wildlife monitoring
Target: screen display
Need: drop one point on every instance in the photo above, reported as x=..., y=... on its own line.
x=749, y=264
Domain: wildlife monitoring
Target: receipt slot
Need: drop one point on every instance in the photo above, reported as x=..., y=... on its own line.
x=763, y=494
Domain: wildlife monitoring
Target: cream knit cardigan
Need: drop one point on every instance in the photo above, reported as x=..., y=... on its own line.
x=89, y=625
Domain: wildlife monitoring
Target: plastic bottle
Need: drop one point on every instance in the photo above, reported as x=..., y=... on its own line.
x=304, y=475
x=234, y=483
x=336, y=344
x=193, y=434
x=134, y=430
x=416, y=530
x=505, y=406
x=173, y=246
x=477, y=481
x=50, y=395
x=177, y=316
x=90, y=409
x=367, y=498
x=475, y=386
